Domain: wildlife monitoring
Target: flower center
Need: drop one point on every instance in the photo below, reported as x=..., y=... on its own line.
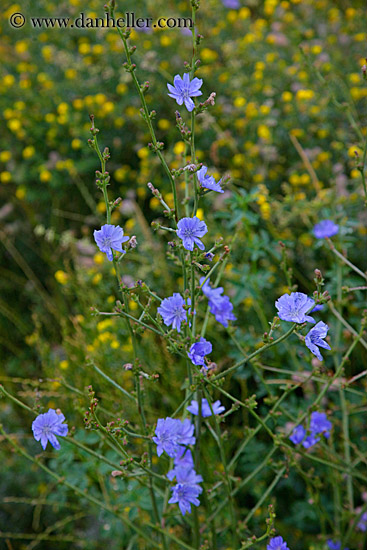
x=106, y=242
x=189, y=233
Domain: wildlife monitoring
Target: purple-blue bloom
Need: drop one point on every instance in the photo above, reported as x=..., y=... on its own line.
x=314, y=339
x=320, y=424
x=183, y=461
x=171, y=433
x=362, y=524
x=310, y=441
x=325, y=228
x=190, y=230
x=185, y=494
x=298, y=435
x=335, y=545
x=184, y=89
x=294, y=307
x=186, y=433
x=110, y=237
x=167, y=434
x=231, y=4
x=208, y=181
x=205, y=408
x=199, y=350
x=172, y=311
x=277, y=543
x=213, y=294
x=46, y=426
x=319, y=307
x=222, y=311
x=220, y=306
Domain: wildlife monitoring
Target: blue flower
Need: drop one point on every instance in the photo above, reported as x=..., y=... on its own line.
x=167, y=434
x=186, y=433
x=205, y=408
x=46, y=426
x=184, y=89
x=326, y=228
x=213, y=294
x=208, y=181
x=231, y=4
x=171, y=433
x=183, y=461
x=320, y=424
x=362, y=524
x=220, y=306
x=294, y=307
x=110, y=237
x=298, y=435
x=277, y=543
x=198, y=351
x=190, y=230
x=172, y=311
x=222, y=311
x=185, y=494
x=335, y=545
x=319, y=307
x=314, y=339
x=310, y=441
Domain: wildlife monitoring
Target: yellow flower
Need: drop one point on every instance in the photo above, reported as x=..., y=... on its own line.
x=98, y=258
x=239, y=102
x=304, y=95
x=21, y=46
x=208, y=55
x=61, y=277
x=263, y=132
x=163, y=124
x=5, y=177
x=45, y=176
x=5, y=156
x=14, y=125
x=64, y=364
x=8, y=80
x=143, y=153
x=76, y=143
x=121, y=89
x=179, y=148
x=28, y=152
x=20, y=193
x=70, y=74
x=287, y=96
x=97, y=278
x=200, y=213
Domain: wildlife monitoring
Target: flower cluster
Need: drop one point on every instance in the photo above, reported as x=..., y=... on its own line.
x=172, y=436
x=220, y=306
x=319, y=425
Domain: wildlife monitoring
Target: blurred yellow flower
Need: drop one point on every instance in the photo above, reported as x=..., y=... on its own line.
x=61, y=277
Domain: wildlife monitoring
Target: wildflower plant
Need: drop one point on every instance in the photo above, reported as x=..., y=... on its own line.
x=167, y=433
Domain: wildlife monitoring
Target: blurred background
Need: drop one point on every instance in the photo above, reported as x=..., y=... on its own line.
x=289, y=117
